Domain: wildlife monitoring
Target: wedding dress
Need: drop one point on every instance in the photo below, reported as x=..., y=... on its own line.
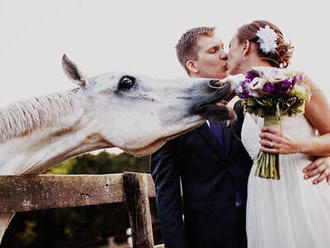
x=290, y=212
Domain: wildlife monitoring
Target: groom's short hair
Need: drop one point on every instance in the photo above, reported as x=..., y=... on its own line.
x=186, y=48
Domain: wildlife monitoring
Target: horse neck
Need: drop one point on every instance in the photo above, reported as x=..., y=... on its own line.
x=70, y=135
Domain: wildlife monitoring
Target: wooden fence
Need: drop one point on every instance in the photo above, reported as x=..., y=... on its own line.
x=35, y=192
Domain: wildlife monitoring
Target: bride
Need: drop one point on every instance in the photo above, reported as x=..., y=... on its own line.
x=290, y=212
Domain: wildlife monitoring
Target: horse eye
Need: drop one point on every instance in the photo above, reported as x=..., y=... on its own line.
x=126, y=82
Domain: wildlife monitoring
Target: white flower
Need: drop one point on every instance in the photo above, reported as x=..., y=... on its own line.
x=255, y=94
x=239, y=89
x=275, y=74
x=267, y=39
x=257, y=83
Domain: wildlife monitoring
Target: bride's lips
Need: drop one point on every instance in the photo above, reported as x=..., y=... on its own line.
x=225, y=66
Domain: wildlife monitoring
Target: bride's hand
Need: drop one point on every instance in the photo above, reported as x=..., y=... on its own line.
x=273, y=140
x=319, y=167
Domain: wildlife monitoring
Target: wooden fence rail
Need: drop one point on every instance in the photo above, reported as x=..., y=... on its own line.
x=35, y=192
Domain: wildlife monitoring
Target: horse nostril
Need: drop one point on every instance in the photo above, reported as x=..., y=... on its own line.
x=215, y=83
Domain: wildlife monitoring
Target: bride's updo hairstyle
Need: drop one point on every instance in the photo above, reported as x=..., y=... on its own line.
x=279, y=58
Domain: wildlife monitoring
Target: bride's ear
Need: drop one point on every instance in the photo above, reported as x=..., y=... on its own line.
x=246, y=47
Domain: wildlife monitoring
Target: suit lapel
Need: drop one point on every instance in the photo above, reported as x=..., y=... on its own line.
x=206, y=133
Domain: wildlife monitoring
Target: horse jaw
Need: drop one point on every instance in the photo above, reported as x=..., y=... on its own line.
x=154, y=146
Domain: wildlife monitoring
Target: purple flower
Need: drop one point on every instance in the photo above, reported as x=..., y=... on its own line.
x=282, y=87
x=268, y=88
x=285, y=84
x=294, y=80
x=250, y=75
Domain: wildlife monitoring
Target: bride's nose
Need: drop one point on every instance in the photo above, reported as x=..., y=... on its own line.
x=223, y=56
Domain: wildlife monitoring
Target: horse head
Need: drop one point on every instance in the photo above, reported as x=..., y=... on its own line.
x=139, y=114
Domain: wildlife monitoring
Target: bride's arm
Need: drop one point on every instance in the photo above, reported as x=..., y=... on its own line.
x=317, y=112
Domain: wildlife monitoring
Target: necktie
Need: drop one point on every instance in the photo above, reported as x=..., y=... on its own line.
x=218, y=134
x=217, y=131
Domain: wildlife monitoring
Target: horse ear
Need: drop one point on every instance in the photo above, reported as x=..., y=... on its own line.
x=72, y=71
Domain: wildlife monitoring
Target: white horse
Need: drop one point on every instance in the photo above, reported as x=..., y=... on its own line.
x=134, y=113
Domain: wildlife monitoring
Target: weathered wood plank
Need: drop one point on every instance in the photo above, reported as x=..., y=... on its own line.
x=151, y=185
x=34, y=192
x=137, y=203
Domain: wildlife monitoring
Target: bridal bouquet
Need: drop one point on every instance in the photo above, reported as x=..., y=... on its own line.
x=272, y=93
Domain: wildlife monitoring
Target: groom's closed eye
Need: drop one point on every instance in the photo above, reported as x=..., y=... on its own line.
x=214, y=49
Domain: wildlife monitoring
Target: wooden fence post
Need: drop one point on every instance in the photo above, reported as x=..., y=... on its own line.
x=137, y=203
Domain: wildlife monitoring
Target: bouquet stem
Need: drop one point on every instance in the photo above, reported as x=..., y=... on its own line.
x=268, y=164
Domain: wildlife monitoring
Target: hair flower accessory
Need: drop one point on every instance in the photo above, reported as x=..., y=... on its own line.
x=267, y=39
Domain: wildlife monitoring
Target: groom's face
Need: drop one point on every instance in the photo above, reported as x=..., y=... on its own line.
x=211, y=57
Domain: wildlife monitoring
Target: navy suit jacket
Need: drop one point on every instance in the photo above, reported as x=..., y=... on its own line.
x=210, y=176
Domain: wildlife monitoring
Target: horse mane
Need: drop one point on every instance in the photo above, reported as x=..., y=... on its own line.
x=23, y=117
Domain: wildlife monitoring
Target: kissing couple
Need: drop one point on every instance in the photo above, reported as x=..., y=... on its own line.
x=207, y=193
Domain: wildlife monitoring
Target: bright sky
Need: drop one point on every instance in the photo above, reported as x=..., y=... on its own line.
x=104, y=35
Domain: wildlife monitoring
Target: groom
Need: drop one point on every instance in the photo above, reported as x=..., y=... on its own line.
x=210, y=161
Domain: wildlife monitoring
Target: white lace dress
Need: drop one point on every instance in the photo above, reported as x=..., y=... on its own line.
x=290, y=212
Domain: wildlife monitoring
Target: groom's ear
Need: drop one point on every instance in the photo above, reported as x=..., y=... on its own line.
x=191, y=67
x=246, y=47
